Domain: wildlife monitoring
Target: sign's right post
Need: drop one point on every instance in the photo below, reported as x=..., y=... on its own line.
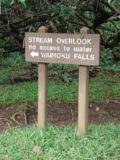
x=83, y=95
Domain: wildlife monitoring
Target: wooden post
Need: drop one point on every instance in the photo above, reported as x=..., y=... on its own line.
x=83, y=95
x=42, y=89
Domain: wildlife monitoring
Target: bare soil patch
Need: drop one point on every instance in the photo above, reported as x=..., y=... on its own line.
x=59, y=113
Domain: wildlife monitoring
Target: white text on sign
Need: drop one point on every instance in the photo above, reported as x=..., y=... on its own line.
x=63, y=48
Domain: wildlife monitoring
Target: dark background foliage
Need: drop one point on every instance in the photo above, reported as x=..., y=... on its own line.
x=62, y=16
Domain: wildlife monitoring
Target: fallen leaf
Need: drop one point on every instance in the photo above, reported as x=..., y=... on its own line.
x=97, y=109
x=6, y=157
x=37, y=149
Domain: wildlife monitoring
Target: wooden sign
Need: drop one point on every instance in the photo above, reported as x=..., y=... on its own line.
x=81, y=49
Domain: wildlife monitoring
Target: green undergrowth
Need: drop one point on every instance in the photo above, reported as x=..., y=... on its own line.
x=61, y=143
x=100, y=89
x=7, y=73
x=14, y=59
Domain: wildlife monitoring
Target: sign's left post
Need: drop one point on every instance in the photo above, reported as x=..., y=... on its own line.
x=42, y=89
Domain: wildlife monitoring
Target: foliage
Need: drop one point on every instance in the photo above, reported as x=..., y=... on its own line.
x=101, y=142
x=8, y=73
x=114, y=2
x=8, y=3
x=58, y=90
x=5, y=75
x=66, y=73
x=107, y=62
x=106, y=59
x=64, y=67
x=1, y=52
x=61, y=10
x=66, y=16
x=14, y=59
x=12, y=66
x=100, y=16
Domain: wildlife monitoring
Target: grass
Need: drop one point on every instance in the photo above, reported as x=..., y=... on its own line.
x=14, y=59
x=103, y=87
x=61, y=143
x=58, y=143
x=100, y=89
x=6, y=73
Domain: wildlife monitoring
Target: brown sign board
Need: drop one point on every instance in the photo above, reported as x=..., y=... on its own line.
x=81, y=49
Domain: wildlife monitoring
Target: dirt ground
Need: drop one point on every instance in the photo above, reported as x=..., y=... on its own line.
x=59, y=114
